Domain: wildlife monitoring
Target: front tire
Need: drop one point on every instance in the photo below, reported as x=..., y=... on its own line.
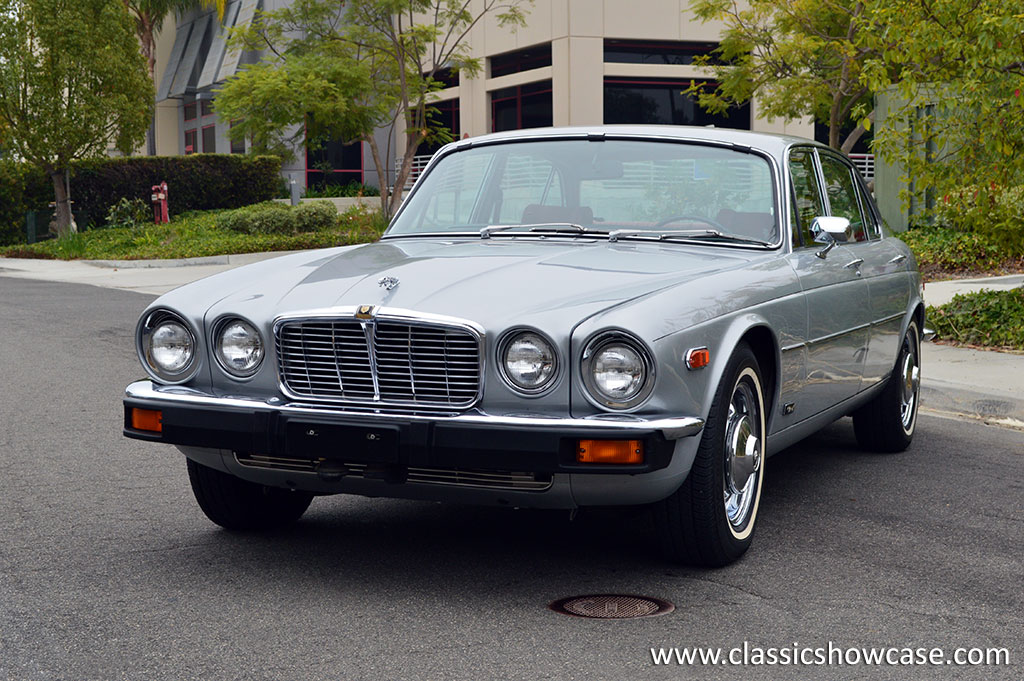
x=887, y=422
x=709, y=521
x=239, y=505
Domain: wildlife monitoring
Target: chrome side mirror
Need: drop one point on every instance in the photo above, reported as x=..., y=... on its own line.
x=830, y=230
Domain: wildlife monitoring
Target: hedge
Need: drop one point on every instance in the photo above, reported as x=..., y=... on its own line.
x=195, y=182
x=21, y=190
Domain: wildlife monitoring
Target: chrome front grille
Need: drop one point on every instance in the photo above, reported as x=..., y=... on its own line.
x=379, y=361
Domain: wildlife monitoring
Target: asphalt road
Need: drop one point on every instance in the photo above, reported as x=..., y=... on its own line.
x=108, y=570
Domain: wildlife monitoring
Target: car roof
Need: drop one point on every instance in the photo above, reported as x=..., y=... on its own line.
x=767, y=142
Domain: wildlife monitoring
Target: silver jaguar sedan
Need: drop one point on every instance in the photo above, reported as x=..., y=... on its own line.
x=555, y=318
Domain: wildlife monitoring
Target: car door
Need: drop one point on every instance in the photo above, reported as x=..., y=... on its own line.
x=880, y=264
x=838, y=314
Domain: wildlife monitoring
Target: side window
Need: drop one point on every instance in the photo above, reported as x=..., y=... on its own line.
x=842, y=194
x=807, y=194
x=873, y=229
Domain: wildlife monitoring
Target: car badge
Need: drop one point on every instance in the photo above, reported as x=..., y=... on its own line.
x=388, y=283
x=364, y=312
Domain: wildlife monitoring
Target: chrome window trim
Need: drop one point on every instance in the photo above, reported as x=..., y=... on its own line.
x=349, y=312
x=777, y=175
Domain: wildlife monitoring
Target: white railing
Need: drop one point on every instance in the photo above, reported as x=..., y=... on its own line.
x=865, y=164
x=418, y=164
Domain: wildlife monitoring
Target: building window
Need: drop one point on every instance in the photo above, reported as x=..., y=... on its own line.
x=334, y=163
x=190, y=110
x=657, y=52
x=206, y=107
x=237, y=146
x=210, y=139
x=663, y=102
x=534, y=57
x=447, y=77
x=190, y=141
x=445, y=114
x=524, y=106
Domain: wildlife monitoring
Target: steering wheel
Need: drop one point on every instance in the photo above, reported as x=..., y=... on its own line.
x=693, y=218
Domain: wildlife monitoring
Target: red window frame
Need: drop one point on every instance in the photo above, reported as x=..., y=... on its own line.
x=518, y=98
x=190, y=148
x=203, y=137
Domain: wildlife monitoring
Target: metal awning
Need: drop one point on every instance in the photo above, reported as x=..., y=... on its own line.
x=200, y=56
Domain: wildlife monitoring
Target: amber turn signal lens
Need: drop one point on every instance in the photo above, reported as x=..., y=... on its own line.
x=698, y=358
x=147, y=419
x=610, y=451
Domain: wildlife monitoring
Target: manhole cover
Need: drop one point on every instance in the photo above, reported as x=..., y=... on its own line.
x=611, y=606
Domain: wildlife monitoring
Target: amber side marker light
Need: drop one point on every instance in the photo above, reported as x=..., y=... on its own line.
x=698, y=358
x=610, y=451
x=147, y=419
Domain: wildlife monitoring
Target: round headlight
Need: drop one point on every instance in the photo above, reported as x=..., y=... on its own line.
x=239, y=348
x=529, y=362
x=617, y=372
x=167, y=347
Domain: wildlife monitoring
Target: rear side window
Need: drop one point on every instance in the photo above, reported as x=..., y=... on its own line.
x=842, y=194
x=807, y=194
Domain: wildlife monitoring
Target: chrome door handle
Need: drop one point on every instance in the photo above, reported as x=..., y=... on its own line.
x=854, y=263
x=898, y=259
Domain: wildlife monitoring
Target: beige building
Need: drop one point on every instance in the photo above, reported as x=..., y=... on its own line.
x=577, y=62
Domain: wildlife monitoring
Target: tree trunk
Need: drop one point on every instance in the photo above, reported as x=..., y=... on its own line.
x=857, y=133
x=382, y=174
x=62, y=212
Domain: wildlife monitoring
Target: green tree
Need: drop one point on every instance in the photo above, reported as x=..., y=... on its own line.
x=799, y=57
x=357, y=66
x=954, y=73
x=72, y=83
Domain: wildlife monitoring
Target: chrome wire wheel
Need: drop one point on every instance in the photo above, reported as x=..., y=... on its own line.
x=744, y=452
x=910, y=379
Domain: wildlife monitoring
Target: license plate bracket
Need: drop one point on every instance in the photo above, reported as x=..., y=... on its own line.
x=343, y=442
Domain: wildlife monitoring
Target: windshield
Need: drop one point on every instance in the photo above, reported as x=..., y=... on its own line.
x=639, y=187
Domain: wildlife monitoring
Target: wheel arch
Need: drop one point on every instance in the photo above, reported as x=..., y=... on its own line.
x=756, y=332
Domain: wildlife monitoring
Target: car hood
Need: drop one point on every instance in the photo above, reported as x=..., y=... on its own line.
x=494, y=282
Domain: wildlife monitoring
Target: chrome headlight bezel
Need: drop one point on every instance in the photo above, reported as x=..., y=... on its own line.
x=147, y=326
x=505, y=343
x=601, y=342
x=219, y=327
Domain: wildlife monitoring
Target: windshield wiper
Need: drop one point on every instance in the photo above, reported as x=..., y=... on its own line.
x=555, y=227
x=684, y=234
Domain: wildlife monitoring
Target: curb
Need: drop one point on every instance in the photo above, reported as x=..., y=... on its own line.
x=233, y=259
x=951, y=399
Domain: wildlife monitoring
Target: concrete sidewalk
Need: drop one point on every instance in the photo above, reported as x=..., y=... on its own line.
x=982, y=384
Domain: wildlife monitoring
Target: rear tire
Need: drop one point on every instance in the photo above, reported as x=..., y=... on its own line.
x=237, y=504
x=887, y=422
x=709, y=521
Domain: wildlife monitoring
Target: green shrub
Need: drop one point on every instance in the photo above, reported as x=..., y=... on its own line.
x=995, y=212
x=940, y=249
x=262, y=218
x=21, y=189
x=331, y=191
x=314, y=216
x=129, y=213
x=989, y=318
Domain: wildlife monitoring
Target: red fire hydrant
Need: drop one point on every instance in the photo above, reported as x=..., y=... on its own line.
x=159, y=200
